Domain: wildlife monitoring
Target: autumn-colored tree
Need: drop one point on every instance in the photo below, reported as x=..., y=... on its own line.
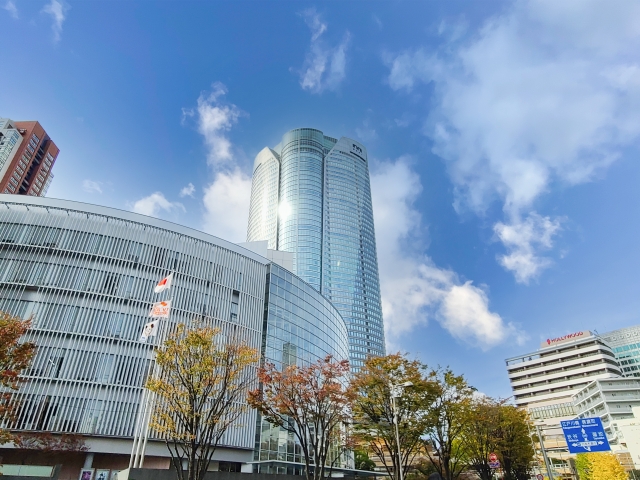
x=14, y=358
x=312, y=402
x=201, y=388
x=447, y=417
x=46, y=443
x=600, y=466
x=374, y=415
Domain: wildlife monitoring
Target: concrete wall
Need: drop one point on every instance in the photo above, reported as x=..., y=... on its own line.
x=152, y=474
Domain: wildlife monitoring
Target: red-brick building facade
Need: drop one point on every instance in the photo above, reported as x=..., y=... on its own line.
x=29, y=169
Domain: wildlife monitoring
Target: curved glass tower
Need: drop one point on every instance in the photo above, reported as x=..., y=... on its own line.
x=311, y=195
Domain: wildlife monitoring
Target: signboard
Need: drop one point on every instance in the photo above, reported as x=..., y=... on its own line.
x=565, y=338
x=585, y=435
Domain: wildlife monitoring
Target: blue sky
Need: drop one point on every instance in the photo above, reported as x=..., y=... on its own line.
x=503, y=140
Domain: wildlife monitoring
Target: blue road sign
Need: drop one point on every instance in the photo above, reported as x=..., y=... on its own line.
x=585, y=435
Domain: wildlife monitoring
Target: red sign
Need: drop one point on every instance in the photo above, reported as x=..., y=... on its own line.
x=566, y=337
x=493, y=457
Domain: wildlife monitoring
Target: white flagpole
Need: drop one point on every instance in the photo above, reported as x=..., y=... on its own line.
x=147, y=401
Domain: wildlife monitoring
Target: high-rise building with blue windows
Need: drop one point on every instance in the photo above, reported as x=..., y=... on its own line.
x=311, y=195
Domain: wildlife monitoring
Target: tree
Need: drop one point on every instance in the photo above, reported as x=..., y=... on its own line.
x=600, y=466
x=423, y=469
x=47, y=443
x=201, y=387
x=362, y=460
x=373, y=414
x=312, y=402
x=14, y=358
x=514, y=442
x=481, y=434
x=447, y=418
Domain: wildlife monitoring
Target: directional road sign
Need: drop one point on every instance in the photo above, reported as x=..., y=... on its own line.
x=585, y=435
x=494, y=465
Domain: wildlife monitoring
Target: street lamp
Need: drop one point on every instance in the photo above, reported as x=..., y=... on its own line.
x=396, y=392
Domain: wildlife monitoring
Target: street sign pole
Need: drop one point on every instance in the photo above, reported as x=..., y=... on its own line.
x=544, y=453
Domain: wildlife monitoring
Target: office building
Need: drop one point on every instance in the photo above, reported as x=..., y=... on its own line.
x=625, y=344
x=614, y=400
x=545, y=381
x=311, y=195
x=27, y=155
x=86, y=275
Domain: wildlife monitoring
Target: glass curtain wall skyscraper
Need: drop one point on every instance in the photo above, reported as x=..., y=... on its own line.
x=311, y=195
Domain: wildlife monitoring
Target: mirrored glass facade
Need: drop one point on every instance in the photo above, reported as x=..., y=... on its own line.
x=325, y=218
x=301, y=326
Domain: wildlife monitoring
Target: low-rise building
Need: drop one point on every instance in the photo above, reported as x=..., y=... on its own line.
x=613, y=400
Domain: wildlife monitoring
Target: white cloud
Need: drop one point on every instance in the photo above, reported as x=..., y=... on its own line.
x=366, y=133
x=10, y=7
x=324, y=67
x=189, y=190
x=214, y=118
x=523, y=239
x=58, y=11
x=413, y=288
x=226, y=202
x=226, y=198
x=154, y=203
x=91, y=186
x=548, y=92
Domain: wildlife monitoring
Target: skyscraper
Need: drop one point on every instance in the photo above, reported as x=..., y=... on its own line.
x=27, y=155
x=311, y=195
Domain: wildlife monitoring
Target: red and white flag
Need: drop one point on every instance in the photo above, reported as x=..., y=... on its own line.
x=149, y=330
x=164, y=284
x=160, y=309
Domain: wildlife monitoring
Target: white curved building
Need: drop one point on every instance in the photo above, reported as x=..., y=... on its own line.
x=86, y=275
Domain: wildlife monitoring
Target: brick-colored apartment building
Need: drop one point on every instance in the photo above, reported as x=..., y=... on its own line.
x=27, y=155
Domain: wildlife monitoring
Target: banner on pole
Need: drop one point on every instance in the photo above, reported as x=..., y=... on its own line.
x=149, y=330
x=164, y=284
x=160, y=309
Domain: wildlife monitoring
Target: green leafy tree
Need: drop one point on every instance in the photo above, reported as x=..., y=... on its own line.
x=362, y=460
x=15, y=357
x=446, y=423
x=514, y=442
x=201, y=388
x=481, y=434
x=373, y=413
